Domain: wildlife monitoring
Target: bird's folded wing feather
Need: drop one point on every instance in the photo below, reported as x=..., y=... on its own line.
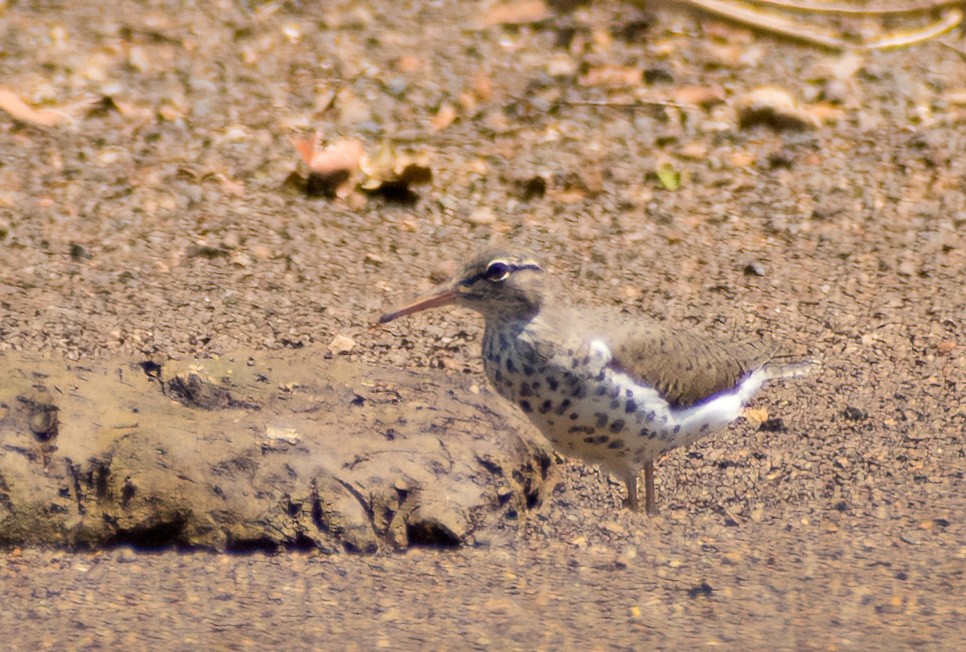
x=685, y=368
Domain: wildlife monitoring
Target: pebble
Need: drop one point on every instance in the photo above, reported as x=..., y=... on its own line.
x=341, y=344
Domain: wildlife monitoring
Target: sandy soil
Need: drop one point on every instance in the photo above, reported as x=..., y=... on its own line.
x=154, y=219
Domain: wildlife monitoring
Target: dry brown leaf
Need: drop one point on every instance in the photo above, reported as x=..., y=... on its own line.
x=333, y=168
x=389, y=171
x=21, y=111
x=515, y=12
x=340, y=155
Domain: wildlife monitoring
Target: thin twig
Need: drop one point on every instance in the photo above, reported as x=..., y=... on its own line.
x=634, y=104
x=911, y=7
x=903, y=39
x=769, y=22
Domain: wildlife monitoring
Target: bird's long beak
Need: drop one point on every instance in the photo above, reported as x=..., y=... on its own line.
x=441, y=296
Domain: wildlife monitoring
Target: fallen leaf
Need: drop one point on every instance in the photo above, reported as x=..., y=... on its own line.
x=393, y=173
x=333, y=168
x=340, y=155
x=668, y=177
x=20, y=110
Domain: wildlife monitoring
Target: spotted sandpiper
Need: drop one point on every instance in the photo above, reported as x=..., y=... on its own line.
x=607, y=388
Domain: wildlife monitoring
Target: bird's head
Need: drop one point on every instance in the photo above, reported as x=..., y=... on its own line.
x=495, y=283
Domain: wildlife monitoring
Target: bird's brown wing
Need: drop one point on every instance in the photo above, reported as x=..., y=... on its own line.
x=684, y=367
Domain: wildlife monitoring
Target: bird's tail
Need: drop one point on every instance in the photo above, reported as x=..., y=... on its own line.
x=771, y=371
x=774, y=370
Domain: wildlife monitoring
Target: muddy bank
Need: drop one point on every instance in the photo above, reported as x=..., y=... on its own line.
x=253, y=451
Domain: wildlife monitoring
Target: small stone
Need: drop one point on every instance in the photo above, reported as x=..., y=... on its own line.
x=835, y=91
x=481, y=216
x=125, y=555
x=773, y=425
x=341, y=344
x=906, y=268
x=702, y=590
x=614, y=527
x=437, y=523
x=946, y=346
x=911, y=538
x=854, y=414
x=287, y=435
x=773, y=107
x=754, y=268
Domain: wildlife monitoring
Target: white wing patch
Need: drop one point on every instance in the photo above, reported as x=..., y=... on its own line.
x=680, y=426
x=720, y=410
x=600, y=354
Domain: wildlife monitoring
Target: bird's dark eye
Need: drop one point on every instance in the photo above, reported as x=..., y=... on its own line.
x=497, y=271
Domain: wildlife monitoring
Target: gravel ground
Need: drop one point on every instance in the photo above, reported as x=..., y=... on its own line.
x=152, y=217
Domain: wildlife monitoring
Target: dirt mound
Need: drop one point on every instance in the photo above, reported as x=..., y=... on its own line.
x=259, y=451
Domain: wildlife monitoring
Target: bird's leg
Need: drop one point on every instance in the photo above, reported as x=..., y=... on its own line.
x=631, y=502
x=650, y=501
